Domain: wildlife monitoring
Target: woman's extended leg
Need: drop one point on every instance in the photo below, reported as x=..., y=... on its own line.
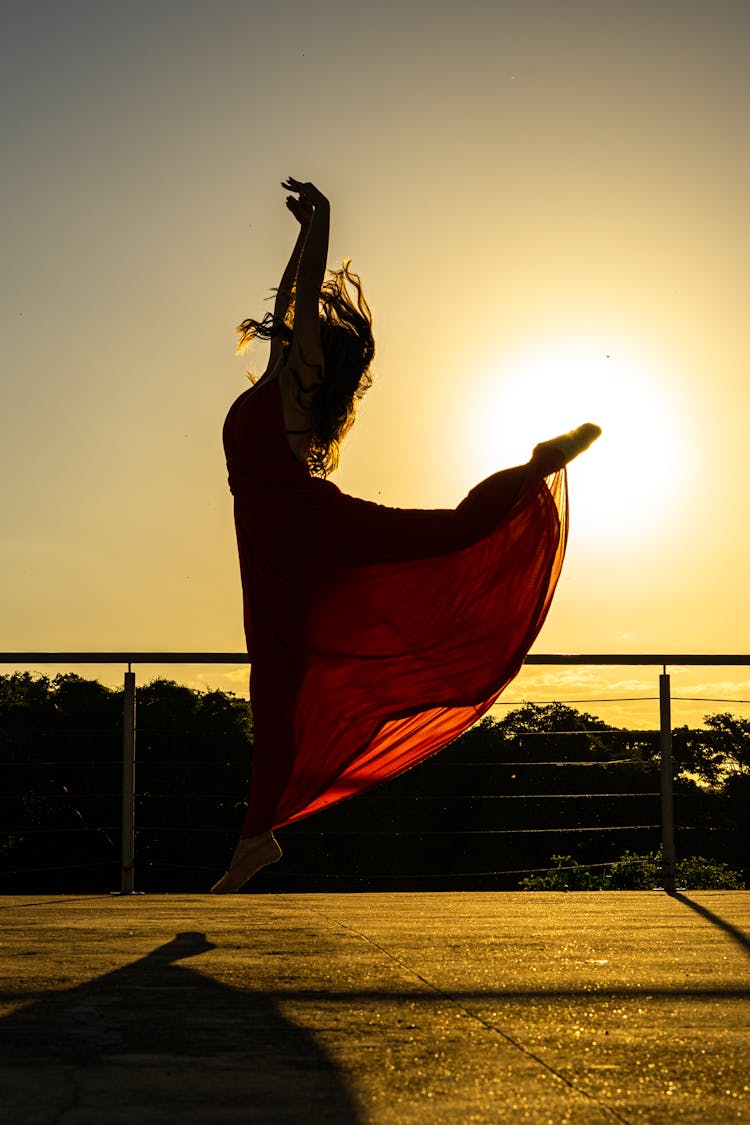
x=322, y=535
x=330, y=528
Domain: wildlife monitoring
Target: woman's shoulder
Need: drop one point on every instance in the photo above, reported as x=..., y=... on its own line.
x=275, y=365
x=256, y=404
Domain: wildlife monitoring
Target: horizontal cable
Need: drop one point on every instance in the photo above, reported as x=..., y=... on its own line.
x=588, y=699
x=145, y=762
x=395, y=832
x=33, y=763
x=48, y=831
x=139, y=657
x=416, y=832
x=622, y=733
x=540, y=762
x=705, y=699
x=61, y=867
x=705, y=828
x=613, y=699
x=45, y=731
x=394, y=875
x=183, y=732
x=386, y=797
x=42, y=797
x=524, y=796
x=380, y=798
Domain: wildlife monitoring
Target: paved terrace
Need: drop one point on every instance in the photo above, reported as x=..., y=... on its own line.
x=583, y=1008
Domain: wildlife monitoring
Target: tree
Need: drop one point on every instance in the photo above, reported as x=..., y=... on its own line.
x=61, y=757
x=508, y=796
x=716, y=754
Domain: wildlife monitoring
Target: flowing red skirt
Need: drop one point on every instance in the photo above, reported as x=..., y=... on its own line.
x=376, y=635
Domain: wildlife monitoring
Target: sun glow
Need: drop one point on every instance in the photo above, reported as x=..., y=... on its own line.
x=629, y=483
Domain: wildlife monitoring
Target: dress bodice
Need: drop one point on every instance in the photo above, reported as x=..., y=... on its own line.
x=255, y=442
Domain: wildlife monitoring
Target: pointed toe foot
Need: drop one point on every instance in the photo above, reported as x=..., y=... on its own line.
x=558, y=451
x=249, y=857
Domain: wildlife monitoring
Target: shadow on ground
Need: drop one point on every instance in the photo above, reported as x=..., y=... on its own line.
x=162, y=1042
x=742, y=940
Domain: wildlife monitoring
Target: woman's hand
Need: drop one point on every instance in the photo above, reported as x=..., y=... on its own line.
x=302, y=209
x=309, y=196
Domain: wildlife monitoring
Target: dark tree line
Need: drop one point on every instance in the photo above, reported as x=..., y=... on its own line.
x=61, y=769
x=502, y=800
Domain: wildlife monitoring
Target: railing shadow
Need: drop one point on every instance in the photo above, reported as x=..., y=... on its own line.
x=731, y=931
x=164, y=1042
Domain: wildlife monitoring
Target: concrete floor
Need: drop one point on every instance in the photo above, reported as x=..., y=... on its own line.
x=582, y=1008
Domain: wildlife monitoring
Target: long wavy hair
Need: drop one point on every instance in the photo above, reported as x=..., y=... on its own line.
x=348, y=350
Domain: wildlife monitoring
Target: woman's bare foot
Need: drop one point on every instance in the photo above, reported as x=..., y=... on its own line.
x=558, y=451
x=249, y=856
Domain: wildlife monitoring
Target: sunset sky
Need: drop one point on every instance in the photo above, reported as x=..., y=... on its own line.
x=548, y=204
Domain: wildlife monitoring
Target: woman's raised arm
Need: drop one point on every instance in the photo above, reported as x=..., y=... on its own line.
x=303, y=212
x=310, y=270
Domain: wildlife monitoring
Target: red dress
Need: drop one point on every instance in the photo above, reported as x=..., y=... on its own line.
x=375, y=635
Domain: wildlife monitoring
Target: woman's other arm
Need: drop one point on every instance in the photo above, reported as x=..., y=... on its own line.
x=302, y=211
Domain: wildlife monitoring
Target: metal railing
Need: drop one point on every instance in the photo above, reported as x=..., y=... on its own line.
x=129, y=721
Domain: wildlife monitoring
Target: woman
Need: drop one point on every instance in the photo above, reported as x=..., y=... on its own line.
x=376, y=635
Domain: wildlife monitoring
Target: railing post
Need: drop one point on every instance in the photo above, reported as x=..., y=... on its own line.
x=128, y=784
x=668, y=857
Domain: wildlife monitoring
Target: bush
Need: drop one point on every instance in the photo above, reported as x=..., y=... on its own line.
x=567, y=875
x=634, y=872
x=699, y=874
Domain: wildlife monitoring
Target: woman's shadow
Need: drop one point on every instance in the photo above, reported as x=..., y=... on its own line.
x=160, y=1042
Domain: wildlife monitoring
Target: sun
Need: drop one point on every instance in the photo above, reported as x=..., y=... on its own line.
x=629, y=483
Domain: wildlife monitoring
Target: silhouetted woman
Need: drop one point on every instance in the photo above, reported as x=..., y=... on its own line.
x=375, y=635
